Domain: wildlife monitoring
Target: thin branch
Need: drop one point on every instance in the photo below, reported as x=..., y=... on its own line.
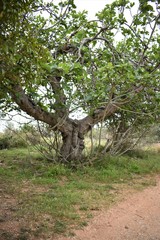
x=153, y=29
x=137, y=35
x=88, y=40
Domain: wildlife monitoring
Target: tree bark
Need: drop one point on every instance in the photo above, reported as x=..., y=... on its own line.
x=73, y=145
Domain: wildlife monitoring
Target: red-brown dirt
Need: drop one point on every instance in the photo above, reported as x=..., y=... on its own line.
x=137, y=217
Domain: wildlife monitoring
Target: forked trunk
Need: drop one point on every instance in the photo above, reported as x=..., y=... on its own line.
x=72, y=147
x=73, y=131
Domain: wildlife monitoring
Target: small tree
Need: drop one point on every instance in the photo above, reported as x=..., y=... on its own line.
x=55, y=63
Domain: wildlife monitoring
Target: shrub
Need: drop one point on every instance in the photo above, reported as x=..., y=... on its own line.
x=18, y=141
x=12, y=141
x=5, y=142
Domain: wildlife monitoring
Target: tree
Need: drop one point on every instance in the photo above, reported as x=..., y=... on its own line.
x=56, y=63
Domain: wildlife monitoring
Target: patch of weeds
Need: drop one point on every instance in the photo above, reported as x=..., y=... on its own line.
x=45, y=181
x=58, y=203
x=75, y=217
x=83, y=224
x=115, y=168
x=135, y=168
x=109, y=187
x=80, y=185
x=137, y=153
x=56, y=171
x=60, y=227
x=71, y=234
x=95, y=208
x=4, y=235
x=40, y=228
x=89, y=215
x=23, y=236
x=141, y=184
x=6, y=172
x=83, y=208
x=149, y=183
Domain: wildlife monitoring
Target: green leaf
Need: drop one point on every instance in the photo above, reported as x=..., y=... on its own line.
x=46, y=66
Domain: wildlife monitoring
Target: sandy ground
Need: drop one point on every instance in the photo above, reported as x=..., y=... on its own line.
x=135, y=218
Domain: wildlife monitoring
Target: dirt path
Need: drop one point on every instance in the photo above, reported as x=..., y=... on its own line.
x=136, y=218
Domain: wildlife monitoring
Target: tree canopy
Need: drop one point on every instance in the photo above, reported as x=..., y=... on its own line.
x=55, y=63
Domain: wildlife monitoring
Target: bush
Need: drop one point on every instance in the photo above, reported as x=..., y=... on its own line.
x=12, y=141
x=18, y=141
x=5, y=142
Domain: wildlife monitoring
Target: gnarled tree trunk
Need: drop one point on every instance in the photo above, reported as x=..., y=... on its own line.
x=73, y=144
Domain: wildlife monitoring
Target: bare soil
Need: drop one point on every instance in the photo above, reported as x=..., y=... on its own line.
x=137, y=217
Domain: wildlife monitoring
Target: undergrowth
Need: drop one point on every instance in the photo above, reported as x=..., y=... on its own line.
x=68, y=197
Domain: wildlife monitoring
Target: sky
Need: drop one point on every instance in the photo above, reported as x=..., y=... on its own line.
x=92, y=6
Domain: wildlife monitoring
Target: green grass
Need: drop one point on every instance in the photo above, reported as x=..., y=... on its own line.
x=69, y=197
